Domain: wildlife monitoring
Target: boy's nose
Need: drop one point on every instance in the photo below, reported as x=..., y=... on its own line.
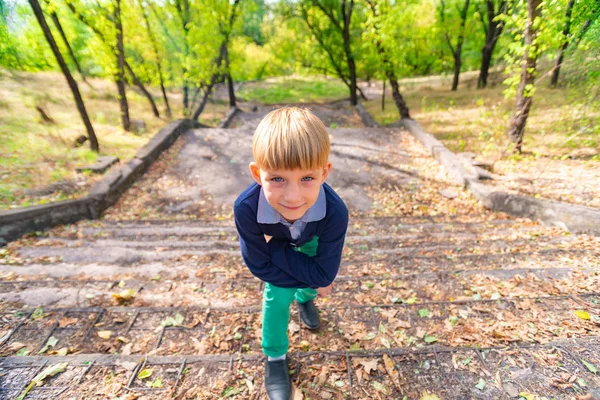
x=292, y=195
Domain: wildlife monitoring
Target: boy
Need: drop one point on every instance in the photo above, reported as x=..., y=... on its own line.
x=292, y=227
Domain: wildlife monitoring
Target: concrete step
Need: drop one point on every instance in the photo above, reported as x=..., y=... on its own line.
x=451, y=373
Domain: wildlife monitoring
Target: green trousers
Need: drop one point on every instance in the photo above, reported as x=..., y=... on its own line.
x=276, y=309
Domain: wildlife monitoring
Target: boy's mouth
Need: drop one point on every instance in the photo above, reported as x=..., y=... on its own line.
x=292, y=208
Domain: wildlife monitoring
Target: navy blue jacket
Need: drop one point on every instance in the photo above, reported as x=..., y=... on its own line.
x=277, y=262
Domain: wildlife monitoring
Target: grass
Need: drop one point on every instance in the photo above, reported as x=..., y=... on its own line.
x=294, y=89
x=34, y=154
x=562, y=122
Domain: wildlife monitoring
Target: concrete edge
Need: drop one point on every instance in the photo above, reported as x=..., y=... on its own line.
x=17, y=222
x=228, y=117
x=365, y=116
x=570, y=217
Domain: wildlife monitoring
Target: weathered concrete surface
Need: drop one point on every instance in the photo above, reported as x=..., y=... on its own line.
x=215, y=162
x=103, y=163
x=570, y=217
x=15, y=223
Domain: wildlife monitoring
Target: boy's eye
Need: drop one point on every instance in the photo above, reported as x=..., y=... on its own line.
x=277, y=179
x=308, y=178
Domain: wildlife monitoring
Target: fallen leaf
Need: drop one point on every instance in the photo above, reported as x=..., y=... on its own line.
x=145, y=373
x=591, y=367
x=38, y=380
x=124, y=295
x=582, y=314
x=157, y=383
x=64, y=322
x=52, y=341
x=481, y=385
x=62, y=352
x=430, y=339
x=389, y=368
x=38, y=313
x=104, y=334
x=368, y=364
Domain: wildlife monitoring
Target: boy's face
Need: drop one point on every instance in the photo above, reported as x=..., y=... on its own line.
x=290, y=192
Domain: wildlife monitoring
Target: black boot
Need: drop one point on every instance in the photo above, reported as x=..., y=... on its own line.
x=277, y=379
x=309, y=314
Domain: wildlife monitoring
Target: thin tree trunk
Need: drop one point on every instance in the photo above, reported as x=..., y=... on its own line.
x=459, y=44
x=37, y=10
x=230, y=88
x=383, y=97
x=120, y=74
x=493, y=32
x=398, y=99
x=140, y=85
x=524, y=97
x=207, y=92
x=389, y=69
x=561, y=52
x=347, y=15
x=456, y=67
x=158, y=67
x=59, y=27
x=183, y=9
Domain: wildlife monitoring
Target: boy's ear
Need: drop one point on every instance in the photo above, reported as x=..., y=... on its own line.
x=326, y=170
x=255, y=171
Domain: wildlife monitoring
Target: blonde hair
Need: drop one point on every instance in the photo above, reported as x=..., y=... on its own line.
x=291, y=138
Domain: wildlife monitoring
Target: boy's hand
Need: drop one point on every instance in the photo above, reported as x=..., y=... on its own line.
x=325, y=291
x=267, y=238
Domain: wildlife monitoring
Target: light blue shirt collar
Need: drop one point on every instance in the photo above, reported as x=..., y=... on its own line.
x=266, y=214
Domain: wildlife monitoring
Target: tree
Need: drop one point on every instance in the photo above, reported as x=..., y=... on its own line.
x=184, y=14
x=330, y=23
x=568, y=37
x=157, y=60
x=455, y=49
x=374, y=22
x=120, y=73
x=221, y=67
x=60, y=29
x=493, y=27
x=528, y=71
x=39, y=15
x=104, y=18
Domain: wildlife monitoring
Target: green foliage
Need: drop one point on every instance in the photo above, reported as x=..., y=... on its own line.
x=294, y=90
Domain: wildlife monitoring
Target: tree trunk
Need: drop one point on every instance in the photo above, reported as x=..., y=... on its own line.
x=561, y=52
x=398, y=99
x=183, y=9
x=383, y=97
x=486, y=60
x=347, y=15
x=67, y=44
x=459, y=44
x=119, y=76
x=456, y=67
x=39, y=15
x=230, y=88
x=524, y=97
x=158, y=67
x=493, y=32
x=389, y=69
x=207, y=92
x=140, y=85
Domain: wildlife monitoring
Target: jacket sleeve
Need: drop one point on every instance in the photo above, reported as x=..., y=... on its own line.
x=255, y=251
x=320, y=270
x=277, y=261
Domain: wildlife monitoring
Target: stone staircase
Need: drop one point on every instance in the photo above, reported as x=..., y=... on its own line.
x=458, y=304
